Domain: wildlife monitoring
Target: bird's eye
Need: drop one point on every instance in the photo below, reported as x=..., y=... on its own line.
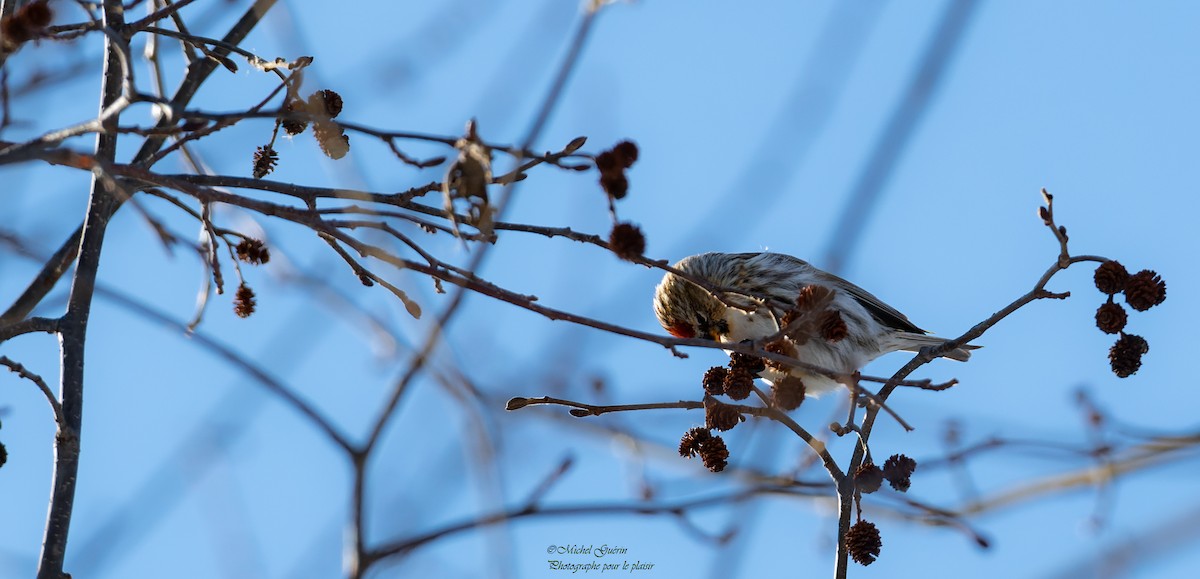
x=703, y=325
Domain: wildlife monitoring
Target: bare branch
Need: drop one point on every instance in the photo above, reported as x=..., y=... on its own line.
x=21, y=371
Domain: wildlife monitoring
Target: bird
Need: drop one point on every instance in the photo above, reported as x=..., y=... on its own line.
x=750, y=294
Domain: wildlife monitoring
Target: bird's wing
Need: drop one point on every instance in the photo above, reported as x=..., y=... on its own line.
x=886, y=314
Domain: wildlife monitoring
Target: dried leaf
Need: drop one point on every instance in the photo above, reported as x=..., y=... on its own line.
x=332, y=139
x=467, y=180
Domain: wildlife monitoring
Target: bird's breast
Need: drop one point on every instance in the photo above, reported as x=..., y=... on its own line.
x=748, y=325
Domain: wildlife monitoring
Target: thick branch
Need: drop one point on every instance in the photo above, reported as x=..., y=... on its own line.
x=73, y=326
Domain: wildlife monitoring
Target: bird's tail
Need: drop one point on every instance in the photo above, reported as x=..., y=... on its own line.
x=910, y=342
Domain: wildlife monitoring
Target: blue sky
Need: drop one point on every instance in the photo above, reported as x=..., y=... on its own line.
x=754, y=124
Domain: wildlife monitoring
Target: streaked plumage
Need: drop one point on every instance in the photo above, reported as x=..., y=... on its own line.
x=874, y=328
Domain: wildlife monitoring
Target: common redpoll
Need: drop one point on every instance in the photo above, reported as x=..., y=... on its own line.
x=760, y=294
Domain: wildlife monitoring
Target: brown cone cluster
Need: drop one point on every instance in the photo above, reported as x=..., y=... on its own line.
x=1143, y=290
x=253, y=251
x=325, y=105
x=27, y=23
x=898, y=469
x=327, y=102
x=788, y=317
x=788, y=393
x=720, y=416
x=627, y=241
x=783, y=347
x=714, y=380
x=294, y=127
x=737, y=380
x=612, y=165
x=265, y=159
x=714, y=454
x=868, y=477
x=689, y=445
x=739, y=383
x=832, y=326
x=1110, y=277
x=812, y=316
x=863, y=542
x=748, y=362
x=1125, y=356
x=813, y=298
x=711, y=449
x=243, y=301
x=1111, y=317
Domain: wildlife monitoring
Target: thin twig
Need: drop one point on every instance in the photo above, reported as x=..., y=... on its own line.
x=169, y=10
x=21, y=371
x=581, y=409
x=408, y=544
x=928, y=354
x=61, y=261
x=28, y=326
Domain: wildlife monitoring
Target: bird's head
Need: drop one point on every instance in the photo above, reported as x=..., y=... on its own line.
x=687, y=310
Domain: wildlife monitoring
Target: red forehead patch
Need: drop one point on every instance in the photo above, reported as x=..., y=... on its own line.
x=681, y=330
